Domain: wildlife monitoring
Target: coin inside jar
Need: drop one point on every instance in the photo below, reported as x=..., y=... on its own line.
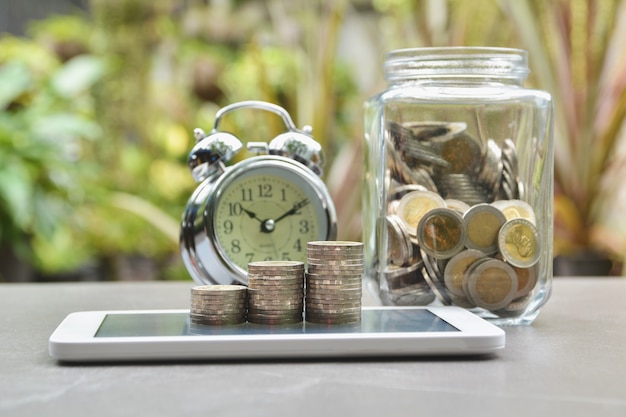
x=483, y=222
x=491, y=283
x=458, y=205
x=462, y=153
x=441, y=233
x=433, y=130
x=514, y=209
x=454, y=272
x=518, y=240
x=399, y=249
x=414, y=205
x=526, y=279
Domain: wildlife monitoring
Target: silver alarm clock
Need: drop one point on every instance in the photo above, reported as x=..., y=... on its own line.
x=266, y=207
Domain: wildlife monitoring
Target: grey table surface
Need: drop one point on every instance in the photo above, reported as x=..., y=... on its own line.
x=571, y=361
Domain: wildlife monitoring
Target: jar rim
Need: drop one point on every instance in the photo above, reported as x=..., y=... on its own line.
x=456, y=61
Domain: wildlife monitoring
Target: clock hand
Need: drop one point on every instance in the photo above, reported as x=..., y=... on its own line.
x=252, y=215
x=267, y=226
x=297, y=206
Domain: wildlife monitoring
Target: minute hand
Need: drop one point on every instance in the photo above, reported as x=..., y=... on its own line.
x=297, y=206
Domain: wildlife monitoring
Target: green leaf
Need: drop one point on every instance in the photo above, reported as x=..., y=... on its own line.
x=15, y=194
x=78, y=75
x=60, y=126
x=14, y=81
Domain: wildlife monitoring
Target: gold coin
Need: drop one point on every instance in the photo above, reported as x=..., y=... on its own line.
x=516, y=209
x=455, y=270
x=491, y=283
x=527, y=279
x=414, y=205
x=462, y=153
x=458, y=205
x=519, y=243
x=483, y=222
x=441, y=233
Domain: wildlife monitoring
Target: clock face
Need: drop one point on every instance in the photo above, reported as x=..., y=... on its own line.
x=269, y=210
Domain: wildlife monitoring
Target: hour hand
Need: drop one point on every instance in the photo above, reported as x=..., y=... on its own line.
x=297, y=206
x=252, y=215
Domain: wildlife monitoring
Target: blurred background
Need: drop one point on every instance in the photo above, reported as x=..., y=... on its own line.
x=99, y=98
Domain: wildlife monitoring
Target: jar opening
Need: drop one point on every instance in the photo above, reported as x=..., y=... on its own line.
x=456, y=62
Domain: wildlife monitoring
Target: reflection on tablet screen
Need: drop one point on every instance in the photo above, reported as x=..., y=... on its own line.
x=178, y=324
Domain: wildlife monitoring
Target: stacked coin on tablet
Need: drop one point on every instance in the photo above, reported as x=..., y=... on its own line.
x=218, y=304
x=276, y=292
x=333, y=282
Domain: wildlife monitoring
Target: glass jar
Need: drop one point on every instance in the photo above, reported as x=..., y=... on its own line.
x=458, y=184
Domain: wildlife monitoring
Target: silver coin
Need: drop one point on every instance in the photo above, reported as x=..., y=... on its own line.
x=218, y=288
x=335, y=246
x=275, y=321
x=218, y=322
x=314, y=305
x=330, y=287
x=269, y=314
x=436, y=286
x=334, y=290
x=332, y=297
x=285, y=300
x=276, y=311
x=343, y=277
x=413, y=298
x=219, y=306
x=399, y=247
x=310, y=316
x=338, y=262
x=269, y=284
x=276, y=264
x=276, y=276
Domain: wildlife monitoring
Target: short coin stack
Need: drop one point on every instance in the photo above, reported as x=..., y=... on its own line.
x=276, y=292
x=218, y=304
x=333, y=282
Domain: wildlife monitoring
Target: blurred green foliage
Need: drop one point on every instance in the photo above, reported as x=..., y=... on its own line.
x=97, y=110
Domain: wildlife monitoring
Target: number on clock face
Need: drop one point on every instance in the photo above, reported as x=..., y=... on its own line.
x=266, y=216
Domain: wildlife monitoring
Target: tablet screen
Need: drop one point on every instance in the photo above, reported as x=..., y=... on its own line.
x=178, y=324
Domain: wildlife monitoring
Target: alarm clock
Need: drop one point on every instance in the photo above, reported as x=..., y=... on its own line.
x=266, y=207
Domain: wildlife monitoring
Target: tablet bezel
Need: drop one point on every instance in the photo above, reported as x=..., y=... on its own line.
x=74, y=340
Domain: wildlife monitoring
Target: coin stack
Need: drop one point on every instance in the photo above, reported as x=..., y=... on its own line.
x=334, y=282
x=457, y=226
x=276, y=292
x=218, y=304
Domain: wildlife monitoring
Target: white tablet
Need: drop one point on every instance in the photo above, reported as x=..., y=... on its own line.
x=169, y=335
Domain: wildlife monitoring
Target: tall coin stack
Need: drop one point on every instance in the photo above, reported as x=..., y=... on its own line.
x=276, y=292
x=218, y=304
x=333, y=282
